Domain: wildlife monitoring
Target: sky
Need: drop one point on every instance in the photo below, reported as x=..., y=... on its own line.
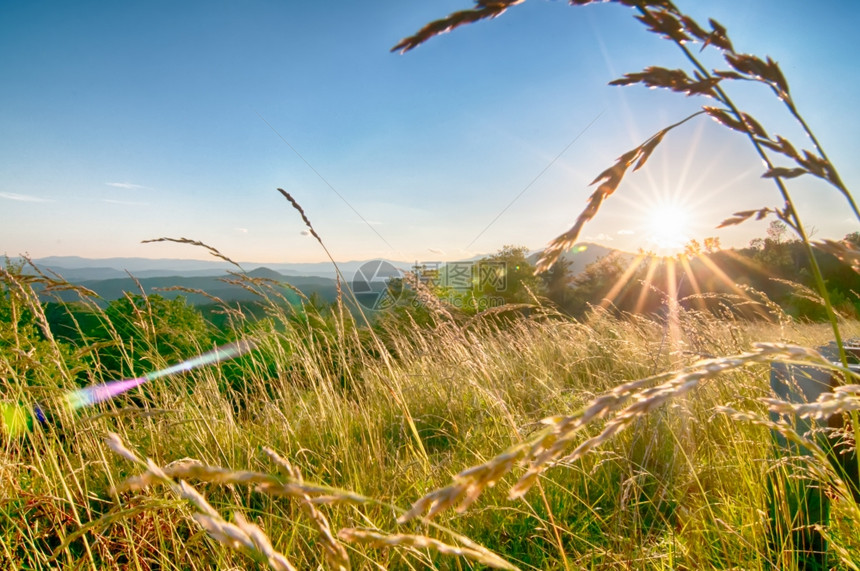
x=128, y=121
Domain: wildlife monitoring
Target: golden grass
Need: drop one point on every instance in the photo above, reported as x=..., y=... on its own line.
x=606, y=461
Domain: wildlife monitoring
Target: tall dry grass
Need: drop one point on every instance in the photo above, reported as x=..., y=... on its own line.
x=604, y=443
x=681, y=486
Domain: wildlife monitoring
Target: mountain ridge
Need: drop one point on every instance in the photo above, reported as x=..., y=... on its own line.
x=110, y=278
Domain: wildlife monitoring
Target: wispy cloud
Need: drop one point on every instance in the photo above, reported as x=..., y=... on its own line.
x=125, y=185
x=124, y=202
x=626, y=232
x=23, y=197
x=436, y=251
x=599, y=238
x=241, y=230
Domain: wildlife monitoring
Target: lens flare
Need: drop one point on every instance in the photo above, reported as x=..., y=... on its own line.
x=89, y=396
x=19, y=418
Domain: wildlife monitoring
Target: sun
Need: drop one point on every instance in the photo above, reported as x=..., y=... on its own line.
x=668, y=228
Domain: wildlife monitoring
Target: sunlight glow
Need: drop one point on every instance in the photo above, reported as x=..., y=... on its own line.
x=669, y=228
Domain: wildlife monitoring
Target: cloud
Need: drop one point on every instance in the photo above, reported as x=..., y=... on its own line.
x=305, y=232
x=23, y=197
x=599, y=238
x=125, y=185
x=241, y=230
x=124, y=202
x=626, y=232
x=436, y=251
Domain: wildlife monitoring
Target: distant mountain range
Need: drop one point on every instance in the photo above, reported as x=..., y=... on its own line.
x=75, y=268
x=111, y=277
x=199, y=290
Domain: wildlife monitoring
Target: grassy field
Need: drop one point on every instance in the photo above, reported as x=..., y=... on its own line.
x=517, y=438
x=328, y=432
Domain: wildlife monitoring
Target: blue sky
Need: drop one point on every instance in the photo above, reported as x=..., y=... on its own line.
x=128, y=121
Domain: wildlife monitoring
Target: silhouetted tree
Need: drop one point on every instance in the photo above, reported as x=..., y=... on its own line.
x=557, y=283
x=712, y=244
x=507, y=274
